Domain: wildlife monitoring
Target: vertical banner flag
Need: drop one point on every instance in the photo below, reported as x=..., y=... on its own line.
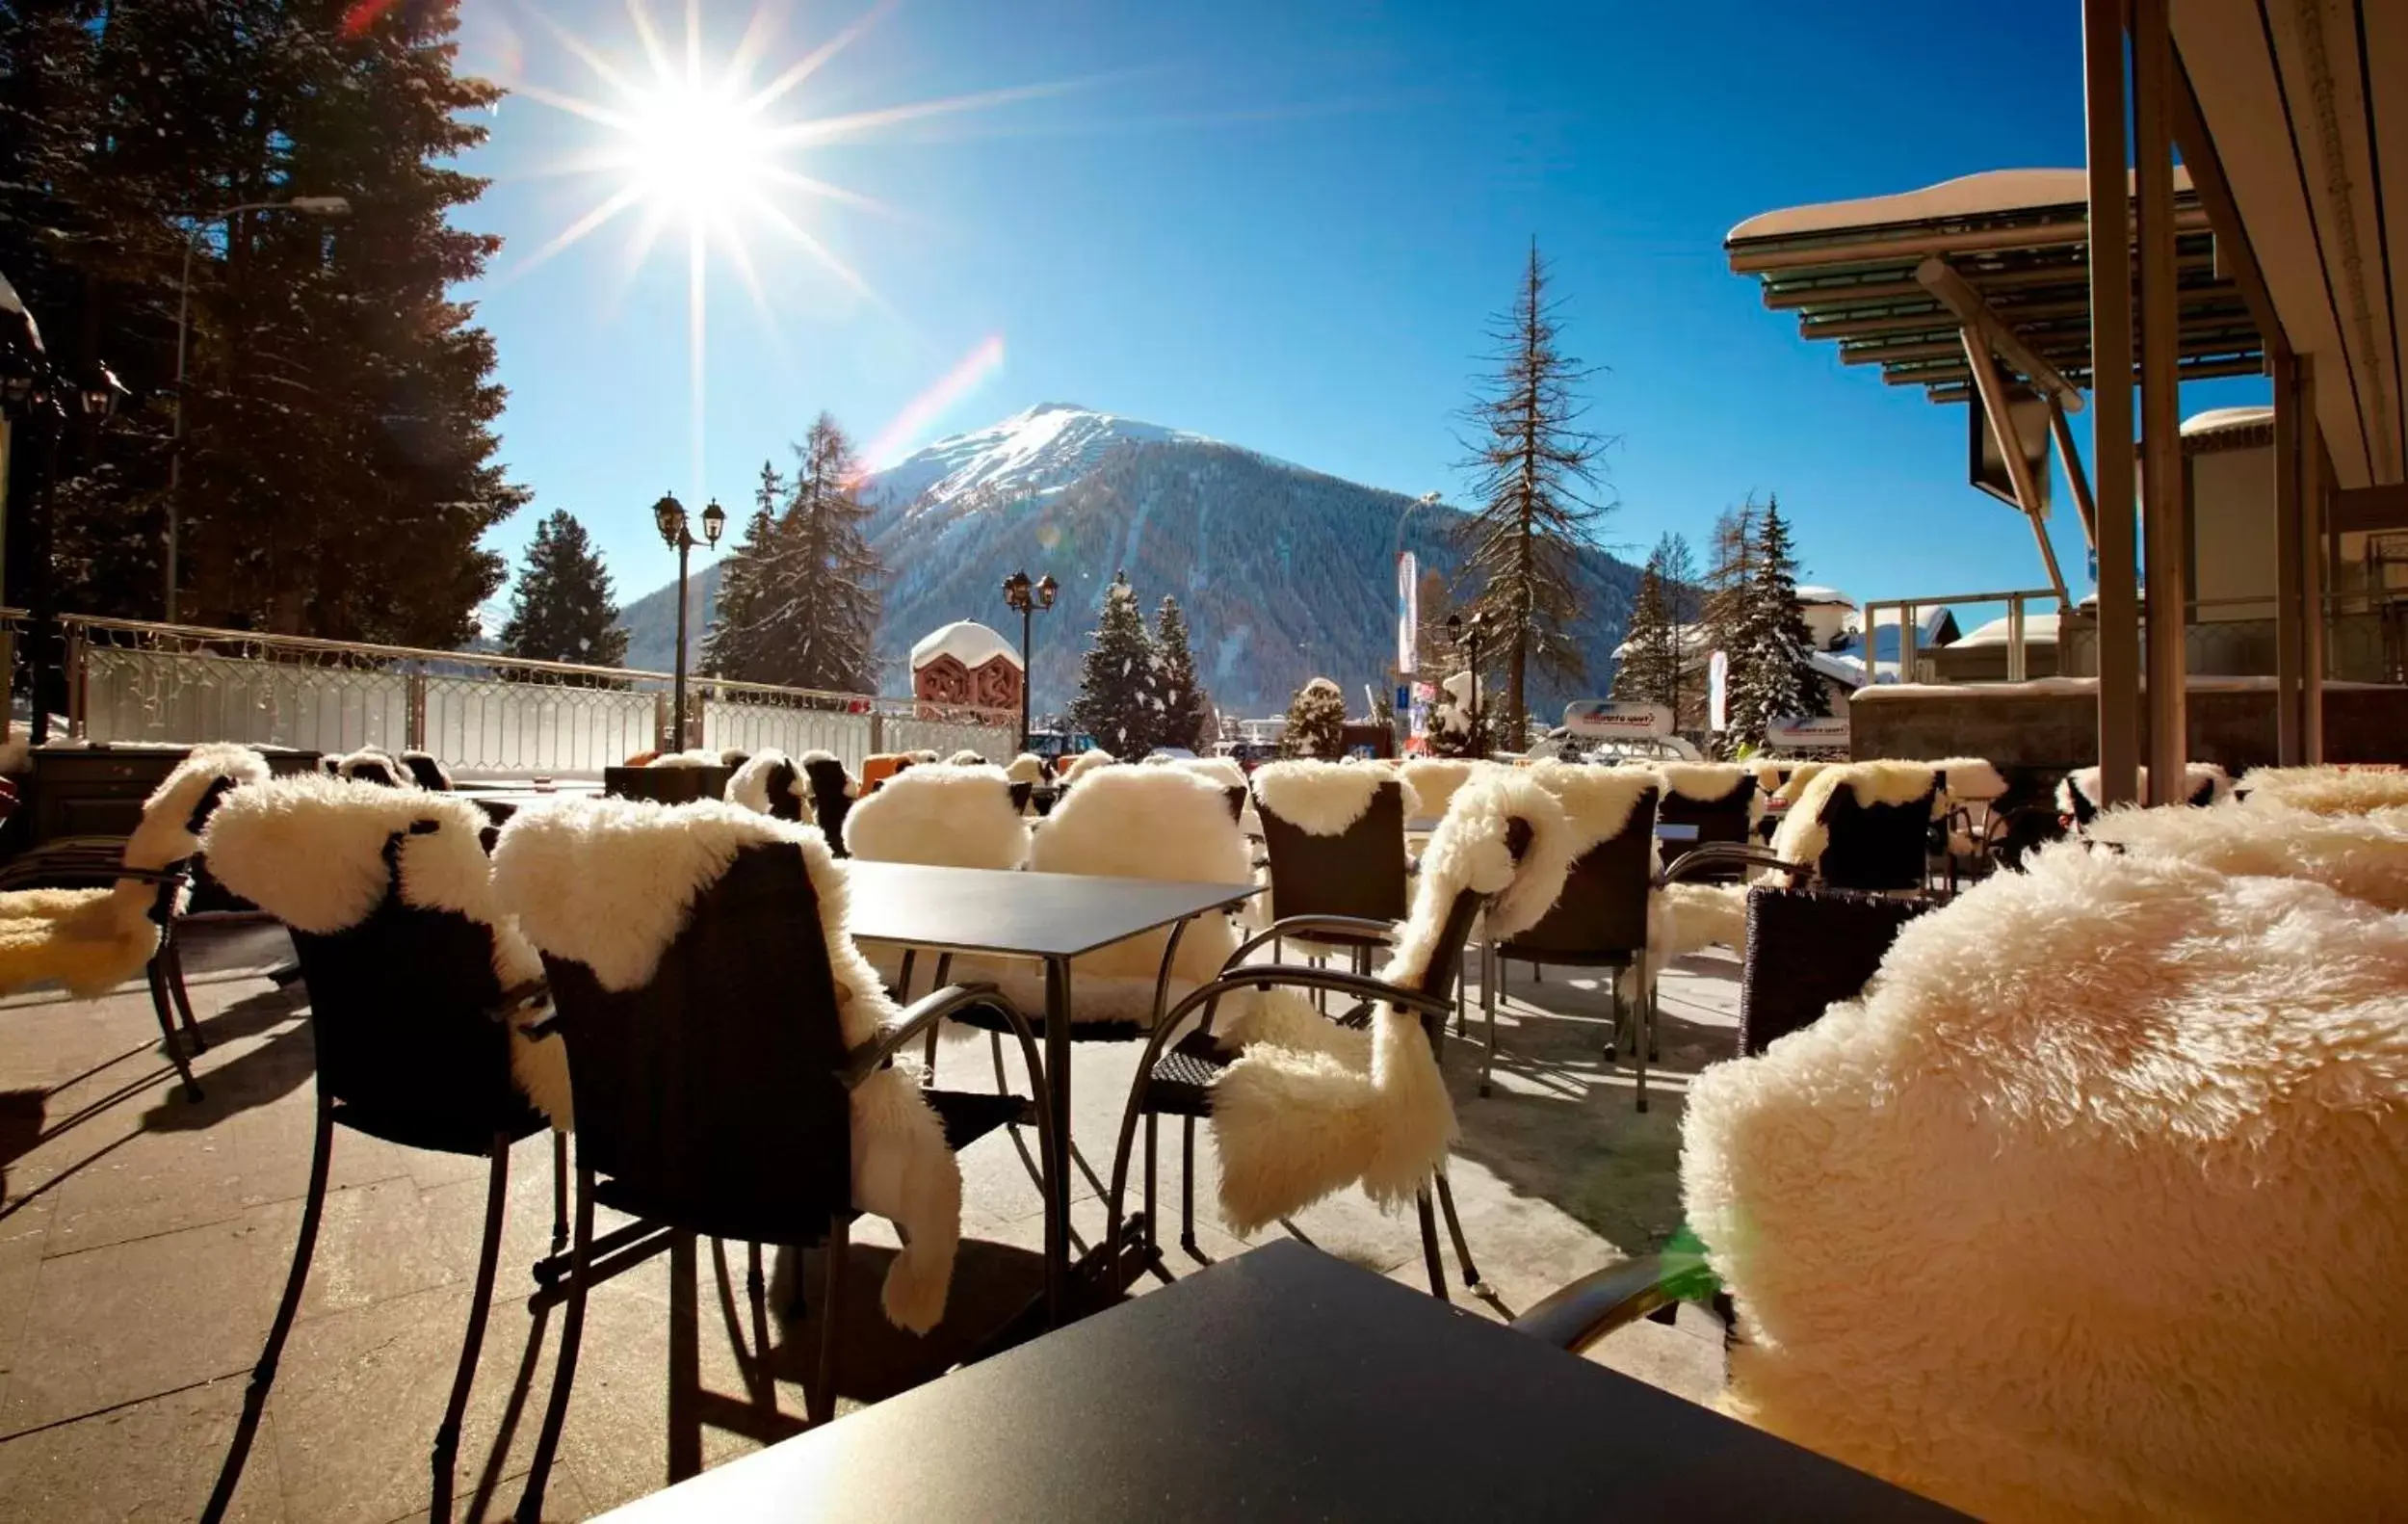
x=1408, y=612
x=1717, y=692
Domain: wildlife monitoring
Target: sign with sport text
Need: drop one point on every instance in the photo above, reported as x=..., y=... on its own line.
x=1605, y=720
x=1816, y=733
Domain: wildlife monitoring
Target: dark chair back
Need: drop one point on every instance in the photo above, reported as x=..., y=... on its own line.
x=1602, y=915
x=373, y=769
x=1877, y=847
x=402, y=1014
x=1359, y=872
x=1236, y=796
x=1021, y=793
x=779, y=783
x=666, y=785
x=1722, y=820
x=1447, y=963
x=1808, y=948
x=710, y=1097
x=829, y=804
x=1046, y=798
x=427, y=771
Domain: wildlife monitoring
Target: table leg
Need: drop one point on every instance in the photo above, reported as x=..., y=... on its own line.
x=1057, y=1164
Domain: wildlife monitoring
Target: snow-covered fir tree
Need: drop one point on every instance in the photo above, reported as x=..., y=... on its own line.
x=1650, y=670
x=1187, y=719
x=1317, y=718
x=1119, y=688
x=798, y=598
x=1771, y=674
x=562, y=607
x=740, y=618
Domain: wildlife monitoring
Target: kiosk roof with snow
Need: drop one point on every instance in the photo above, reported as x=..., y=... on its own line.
x=966, y=641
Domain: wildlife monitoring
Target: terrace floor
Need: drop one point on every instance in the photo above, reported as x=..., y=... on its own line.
x=144, y=1240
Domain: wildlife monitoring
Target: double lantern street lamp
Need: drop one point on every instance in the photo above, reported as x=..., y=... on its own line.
x=671, y=515
x=1028, y=599
x=305, y=206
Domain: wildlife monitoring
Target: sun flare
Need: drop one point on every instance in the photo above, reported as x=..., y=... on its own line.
x=698, y=151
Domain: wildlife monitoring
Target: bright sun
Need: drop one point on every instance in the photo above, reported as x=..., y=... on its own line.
x=699, y=150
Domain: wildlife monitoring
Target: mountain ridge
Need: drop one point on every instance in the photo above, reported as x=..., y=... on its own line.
x=1284, y=571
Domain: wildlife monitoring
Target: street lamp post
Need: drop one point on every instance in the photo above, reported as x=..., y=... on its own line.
x=1028, y=599
x=671, y=515
x=307, y=206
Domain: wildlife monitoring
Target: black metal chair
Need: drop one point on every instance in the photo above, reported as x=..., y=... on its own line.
x=1875, y=849
x=831, y=799
x=675, y=784
x=1727, y=820
x=410, y=1027
x=715, y=1099
x=1177, y=1079
x=428, y=771
x=1358, y=875
x=1599, y=922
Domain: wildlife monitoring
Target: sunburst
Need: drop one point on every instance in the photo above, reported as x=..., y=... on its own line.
x=685, y=145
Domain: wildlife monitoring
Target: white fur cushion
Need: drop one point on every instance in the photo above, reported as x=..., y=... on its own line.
x=2093, y=1205
x=956, y=817
x=1326, y=798
x=2328, y=790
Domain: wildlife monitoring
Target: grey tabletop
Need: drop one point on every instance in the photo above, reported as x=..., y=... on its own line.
x=1029, y=914
x=1283, y=1384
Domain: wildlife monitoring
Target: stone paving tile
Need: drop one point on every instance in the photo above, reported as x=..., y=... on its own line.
x=148, y=1209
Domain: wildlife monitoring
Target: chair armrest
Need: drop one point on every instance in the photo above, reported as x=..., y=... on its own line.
x=1263, y=976
x=1306, y=925
x=1724, y=854
x=923, y=1014
x=72, y=859
x=1578, y=1315
x=517, y=998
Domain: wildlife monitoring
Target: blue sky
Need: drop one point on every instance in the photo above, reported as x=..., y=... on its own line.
x=1283, y=224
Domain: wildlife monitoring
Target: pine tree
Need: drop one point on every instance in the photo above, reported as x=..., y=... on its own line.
x=1186, y=709
x=1772, y=675
x=562, y=607
x=1676, y=569
x=1724, y=591
x=1533, y=466
x=337, y=464
x=1650, y=671
x=1317, y=717
x=732, y=648
x=1117, y=678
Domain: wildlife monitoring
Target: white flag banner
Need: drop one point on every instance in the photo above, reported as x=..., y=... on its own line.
x=1718, y=692
x=1408, y=612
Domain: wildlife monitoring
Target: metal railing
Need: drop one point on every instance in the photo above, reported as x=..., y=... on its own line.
x=129, y=680
x=1909, y=665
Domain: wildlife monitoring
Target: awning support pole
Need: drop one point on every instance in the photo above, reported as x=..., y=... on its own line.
x=2111, y=401
x=1993, y=389
x=2291, y=617
x=2314, y=472
x=2063, y=431
x=2166, y=606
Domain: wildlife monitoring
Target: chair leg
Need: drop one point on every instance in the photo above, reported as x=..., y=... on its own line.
x=560, y=1191
x=822, y=1405
x=162, y=1007
x=1614, y=1017
x=1429, y=1243
x=1187, y=1186
x=1454, y=1230
x=263, y=1374
x=685, y=1362
x=1643, y=1027
x=1488, y=959
x=480, y=1302
x=564, y=1375
x=175, y=952
x=1153, y=1225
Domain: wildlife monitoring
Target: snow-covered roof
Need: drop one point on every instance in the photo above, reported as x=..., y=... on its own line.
x=966, y=641
x=2036, y=632
x=1813, y=594
x=1991, y=193
x=2215, y=420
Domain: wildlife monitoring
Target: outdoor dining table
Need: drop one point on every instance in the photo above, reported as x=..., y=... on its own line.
x=1283, y=1384
x=1053, y=917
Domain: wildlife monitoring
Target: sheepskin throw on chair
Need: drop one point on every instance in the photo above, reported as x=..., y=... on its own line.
x=1310, y=1107
x=313, y=852
x=92, y=940
x=610, y=883
x=943, y=815
x=2094, y=1204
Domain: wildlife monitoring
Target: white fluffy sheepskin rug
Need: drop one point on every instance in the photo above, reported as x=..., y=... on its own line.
x=91, y=941
x=1326, y=798
x=1433, y=781
x=1223, y=771
x=311, y=851
x=1803, y=832
x=955, y=817
x=750, y=784
x=2198, y=778
x=1710, y=782
x=374, y=765
x=2093, y=1206
x=1971, y=780
x=1310, y=1107
x=1025, y=767
x=1133, y=822
x=1085, y=762
x=2364, y=856
x=610, y=883
x=2328, y=790
x=692, y=758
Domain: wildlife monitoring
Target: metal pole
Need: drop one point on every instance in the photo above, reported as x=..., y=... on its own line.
x=2164, y=607
x=2289, y=616
x=685, y=543
x=1480, y=741
x=1028, y=627
x=176, y=450
x=2111, y=401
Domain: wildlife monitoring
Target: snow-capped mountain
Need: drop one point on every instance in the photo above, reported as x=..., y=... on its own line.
x=1285, y=574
